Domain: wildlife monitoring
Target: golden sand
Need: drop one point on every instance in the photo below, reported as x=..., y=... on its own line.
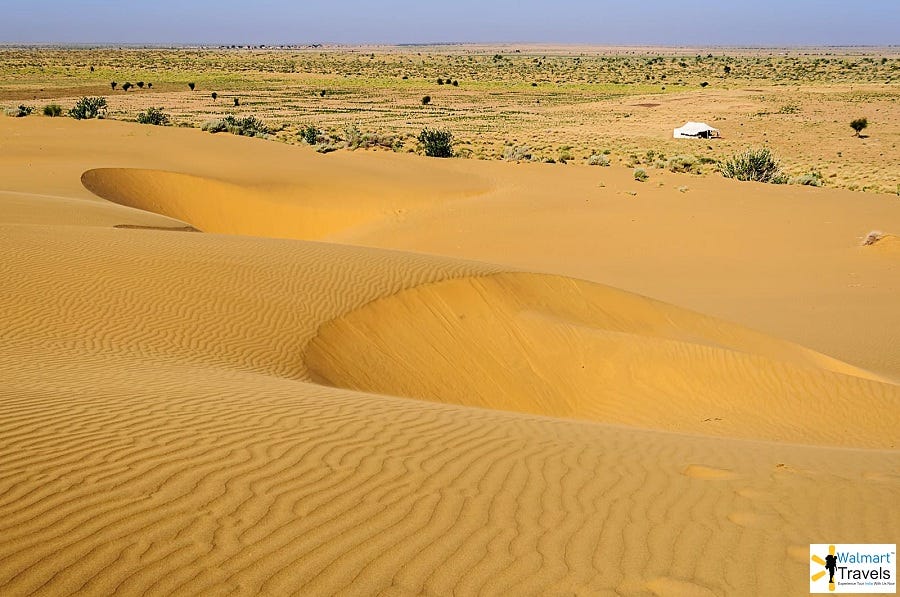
x=381, y=374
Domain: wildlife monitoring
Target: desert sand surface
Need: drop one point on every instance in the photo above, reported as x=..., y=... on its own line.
x=231, y=366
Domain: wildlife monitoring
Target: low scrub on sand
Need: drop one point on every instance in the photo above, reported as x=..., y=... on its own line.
x=758, y=165
x=53, y=110
x=641, y=175
x=89, y=107
x=250, y=126
x=436, y=143
x=154, y=116
x=19, y=112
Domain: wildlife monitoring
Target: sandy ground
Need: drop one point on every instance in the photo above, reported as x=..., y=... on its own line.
x=383, y=374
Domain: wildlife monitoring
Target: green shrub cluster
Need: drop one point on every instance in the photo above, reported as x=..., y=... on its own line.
x=758, y=165
x=53, y=110
x=154, y=116
x=437, y=144
x=89, y=107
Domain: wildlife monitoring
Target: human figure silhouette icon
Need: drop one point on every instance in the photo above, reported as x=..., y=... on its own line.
x=830, y=563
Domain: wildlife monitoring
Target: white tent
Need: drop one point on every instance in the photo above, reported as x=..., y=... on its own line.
x=696, y=130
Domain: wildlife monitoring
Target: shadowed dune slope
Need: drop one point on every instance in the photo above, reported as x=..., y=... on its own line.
x=561, y=347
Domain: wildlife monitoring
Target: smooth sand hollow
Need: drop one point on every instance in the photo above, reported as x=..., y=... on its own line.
x=380, y=374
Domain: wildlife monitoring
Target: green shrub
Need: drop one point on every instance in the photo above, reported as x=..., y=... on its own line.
x=598, y=160
x=53, y=110
x=641, y=175
x=437, y=144
x=89, y=107
x=758, y=165
x=310, y=134
x=154, y=116
x=20, y=112
x=859, y=124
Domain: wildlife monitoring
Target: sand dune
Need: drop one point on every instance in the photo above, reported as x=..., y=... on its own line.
x=233, y=414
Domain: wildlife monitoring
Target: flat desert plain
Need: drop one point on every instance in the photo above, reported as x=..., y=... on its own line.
x=230, y=366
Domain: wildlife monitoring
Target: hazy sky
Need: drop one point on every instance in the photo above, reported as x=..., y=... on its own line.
x=665, y=22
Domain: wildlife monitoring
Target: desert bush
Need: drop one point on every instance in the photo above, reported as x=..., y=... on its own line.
x=437, y=144
x=89, y=107
x=812, y=178
x=192, y=86
x=126, y=86
x=353, y=137
x=598, y=160
x=641, y=175
x=859, y=124
x=140, y=84
x=681, y=163
x=426, y=100
x=758, y=165
x=53, y=110
x=20, y=112
x=249, y=126
x=214, y=96
x=517, y=153
x=310, y=134
x=113, y=85
x=154, y=116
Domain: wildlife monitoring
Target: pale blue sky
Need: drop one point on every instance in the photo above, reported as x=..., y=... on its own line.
x=664, y=22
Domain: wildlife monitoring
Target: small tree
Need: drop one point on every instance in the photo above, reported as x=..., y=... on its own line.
x=426, y=100
x=437, y=144
x=215, y=96
x=149, y=85
x=859, y=124
x=126, y=87
x=192, y=85
x=237, y=102
x=113, y=85
x=140, y=84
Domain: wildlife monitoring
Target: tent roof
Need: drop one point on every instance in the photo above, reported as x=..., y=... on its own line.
x=694, y=128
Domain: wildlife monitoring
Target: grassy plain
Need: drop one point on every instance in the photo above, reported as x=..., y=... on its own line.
x=560, y=104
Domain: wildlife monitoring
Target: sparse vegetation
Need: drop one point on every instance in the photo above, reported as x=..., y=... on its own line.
x=154, y=116
x=426, y=100
x=192, y=85
x=89, y=107
x=758, y=165
x=598, y=160
x=436, y=143
x=641, y=175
